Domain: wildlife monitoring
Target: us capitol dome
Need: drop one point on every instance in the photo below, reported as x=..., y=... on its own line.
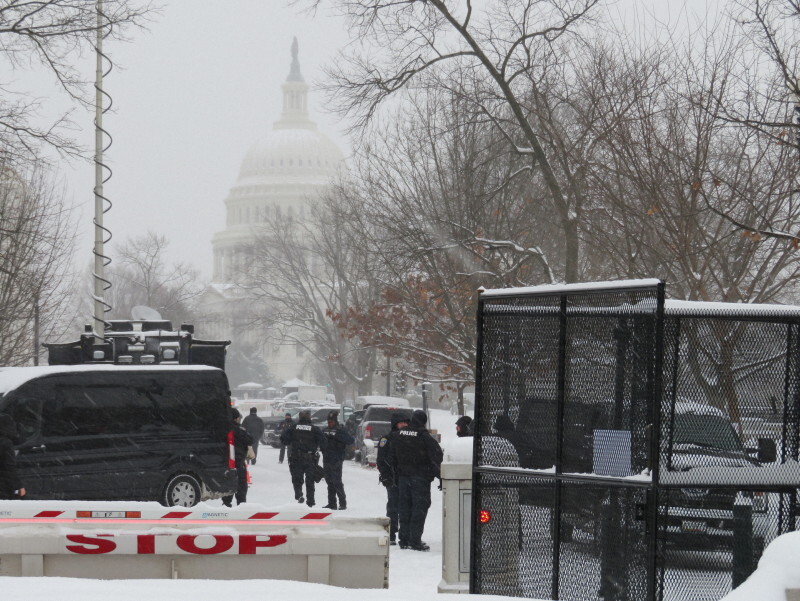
x=279, y=174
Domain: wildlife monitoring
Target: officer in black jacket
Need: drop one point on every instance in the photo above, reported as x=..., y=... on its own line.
x=415, y=457
x=10, y=483
x=304, y=440
x=332, y=459
x=284, y=425
x=387, y=478
x=241, y=440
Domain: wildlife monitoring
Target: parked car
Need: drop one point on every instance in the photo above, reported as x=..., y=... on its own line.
x=264, y=407
x=319, y=417
x=351, y=424
x=362, y=402
x=128, y=433
x=375, y=424
x=273, y=426
x=703, y=441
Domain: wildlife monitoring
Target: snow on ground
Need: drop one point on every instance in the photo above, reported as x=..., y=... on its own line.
x=777, y=571
x=412, y=575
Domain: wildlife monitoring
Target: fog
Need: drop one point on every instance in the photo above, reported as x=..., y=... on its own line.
x=197, y=88
x=190, y=95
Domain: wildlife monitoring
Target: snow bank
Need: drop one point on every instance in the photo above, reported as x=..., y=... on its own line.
x=777, y=571
x=459, y=450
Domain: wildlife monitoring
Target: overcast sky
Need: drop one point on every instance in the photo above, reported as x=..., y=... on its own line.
x=191, y=95
x=194, y=92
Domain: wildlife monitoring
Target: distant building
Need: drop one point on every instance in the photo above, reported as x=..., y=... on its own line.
x=279, y=174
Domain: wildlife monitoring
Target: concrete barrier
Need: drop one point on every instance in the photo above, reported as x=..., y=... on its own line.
x=456, y=516
x=111, y=540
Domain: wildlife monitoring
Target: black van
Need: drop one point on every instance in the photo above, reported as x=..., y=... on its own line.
x=121, y=433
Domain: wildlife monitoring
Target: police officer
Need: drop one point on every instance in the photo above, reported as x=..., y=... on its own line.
x=464, y=426
x=333, y=458
x=415, y=457
x=241, y=440
x=10, y=483
x=287, y=421
x=304, y=441
x=387, y=477
x=255, y=426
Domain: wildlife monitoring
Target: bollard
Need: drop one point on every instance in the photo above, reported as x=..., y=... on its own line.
x=456, y=525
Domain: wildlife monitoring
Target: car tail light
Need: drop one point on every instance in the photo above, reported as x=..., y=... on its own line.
x=368, y=432
x=231, y=452
x=484, y=516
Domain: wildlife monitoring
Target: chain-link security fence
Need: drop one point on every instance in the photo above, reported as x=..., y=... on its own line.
x=629, y=448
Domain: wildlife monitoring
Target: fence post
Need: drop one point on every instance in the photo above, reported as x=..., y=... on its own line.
x=742, y=540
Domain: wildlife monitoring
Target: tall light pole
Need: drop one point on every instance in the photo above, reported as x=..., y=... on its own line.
x=794, y=92
x=100, y=231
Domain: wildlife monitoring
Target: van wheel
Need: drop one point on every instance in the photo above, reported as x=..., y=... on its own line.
x=182, y=490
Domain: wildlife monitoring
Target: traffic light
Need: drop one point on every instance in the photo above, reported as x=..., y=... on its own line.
x=400, y=384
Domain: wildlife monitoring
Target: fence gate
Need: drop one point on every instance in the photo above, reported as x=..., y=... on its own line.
x=613, y=453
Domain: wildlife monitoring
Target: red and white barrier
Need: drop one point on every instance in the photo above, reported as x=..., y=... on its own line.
x=146, y=540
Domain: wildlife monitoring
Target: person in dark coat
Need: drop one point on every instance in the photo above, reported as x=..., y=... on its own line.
x=305, y=441
x=10, y=483
x=464, y=426
x=255, y=427
x=416, y=458
x=386, y=476
x=287, y=421
x=241, y=440
x=332, y=459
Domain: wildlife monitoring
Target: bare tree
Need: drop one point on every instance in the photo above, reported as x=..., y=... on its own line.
x=36, y=242
x=672, y=182
x=509, y=44
x=142, y=276
x=52, y=34
x=302, y=272
x=444, y=207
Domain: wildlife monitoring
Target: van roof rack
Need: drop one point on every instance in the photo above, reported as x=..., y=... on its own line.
x=140, y=342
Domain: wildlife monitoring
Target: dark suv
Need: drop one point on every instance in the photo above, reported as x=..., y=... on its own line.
x=377, y=422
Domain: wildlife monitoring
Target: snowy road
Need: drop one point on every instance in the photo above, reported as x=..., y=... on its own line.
x=412, y=575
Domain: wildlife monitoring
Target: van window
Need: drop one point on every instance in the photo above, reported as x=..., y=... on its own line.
x=140, y=403
x=96, y=409
x=186, y=406
x=26, y=412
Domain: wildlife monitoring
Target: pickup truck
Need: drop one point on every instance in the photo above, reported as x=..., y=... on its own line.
x=376, y=424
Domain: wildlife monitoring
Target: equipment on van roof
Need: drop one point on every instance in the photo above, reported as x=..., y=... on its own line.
x=140, y=342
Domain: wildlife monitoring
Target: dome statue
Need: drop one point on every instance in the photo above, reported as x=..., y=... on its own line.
x=280, y=173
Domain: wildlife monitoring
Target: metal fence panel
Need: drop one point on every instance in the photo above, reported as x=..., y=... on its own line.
x=629, y=448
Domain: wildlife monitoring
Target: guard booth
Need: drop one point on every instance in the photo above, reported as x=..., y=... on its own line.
x=656, y=442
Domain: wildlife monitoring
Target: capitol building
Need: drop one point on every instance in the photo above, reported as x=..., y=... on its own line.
x=281, y=174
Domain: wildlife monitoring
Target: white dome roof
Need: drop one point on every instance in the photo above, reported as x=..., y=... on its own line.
x=292, y=153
